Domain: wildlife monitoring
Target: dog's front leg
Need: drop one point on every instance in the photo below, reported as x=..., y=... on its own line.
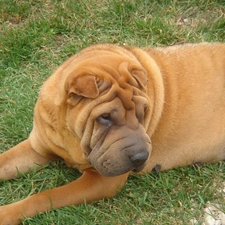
x=91, y=186
x=20, y=158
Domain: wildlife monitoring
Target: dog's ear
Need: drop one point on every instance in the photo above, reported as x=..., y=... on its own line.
x=140, y=77
x=84, y=85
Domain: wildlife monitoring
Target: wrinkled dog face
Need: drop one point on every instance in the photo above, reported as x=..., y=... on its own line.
x=108, y=110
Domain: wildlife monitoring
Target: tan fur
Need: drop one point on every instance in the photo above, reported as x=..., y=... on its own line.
x=181, y=108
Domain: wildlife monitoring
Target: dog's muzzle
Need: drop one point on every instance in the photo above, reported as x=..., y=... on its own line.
x=138, y=160
x=121, y=151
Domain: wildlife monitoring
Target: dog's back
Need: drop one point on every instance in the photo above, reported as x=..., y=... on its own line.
x=192, y=125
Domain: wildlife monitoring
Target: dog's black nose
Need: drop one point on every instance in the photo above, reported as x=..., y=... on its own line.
x=139, y=158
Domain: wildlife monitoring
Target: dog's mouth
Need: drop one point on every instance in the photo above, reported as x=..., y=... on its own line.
x=138, y=169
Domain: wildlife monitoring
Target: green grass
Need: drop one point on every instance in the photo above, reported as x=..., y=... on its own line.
x=36, y=36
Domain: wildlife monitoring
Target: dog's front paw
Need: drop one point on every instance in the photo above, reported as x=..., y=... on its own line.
x=8, y=216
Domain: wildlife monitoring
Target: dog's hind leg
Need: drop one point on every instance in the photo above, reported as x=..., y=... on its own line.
x=20, y=158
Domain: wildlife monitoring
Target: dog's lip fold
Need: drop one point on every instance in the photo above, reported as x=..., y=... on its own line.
x=87, y=151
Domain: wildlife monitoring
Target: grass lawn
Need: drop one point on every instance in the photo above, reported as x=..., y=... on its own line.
x=36, y=36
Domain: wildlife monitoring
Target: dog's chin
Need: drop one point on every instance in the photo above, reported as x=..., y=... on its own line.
x=112, y=172
x=109, y=171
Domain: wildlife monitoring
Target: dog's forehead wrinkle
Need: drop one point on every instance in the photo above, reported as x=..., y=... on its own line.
x=120, y=72
x=118, y=76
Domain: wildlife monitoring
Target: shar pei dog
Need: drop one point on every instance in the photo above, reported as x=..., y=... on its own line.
x=111, y=111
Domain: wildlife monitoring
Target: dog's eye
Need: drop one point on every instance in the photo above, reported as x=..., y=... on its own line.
x=105, y=119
